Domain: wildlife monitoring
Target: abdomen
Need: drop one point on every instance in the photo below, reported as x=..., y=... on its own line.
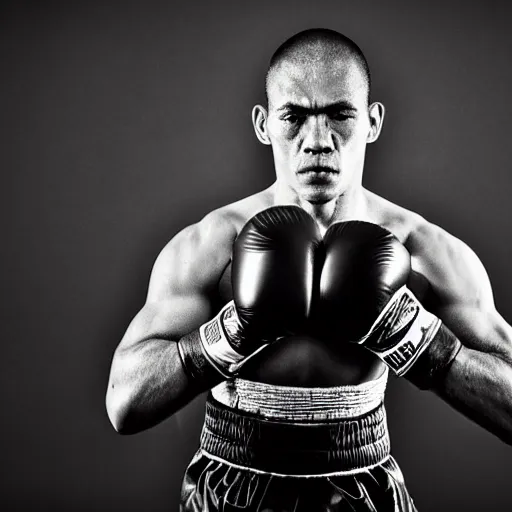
x=309, y=362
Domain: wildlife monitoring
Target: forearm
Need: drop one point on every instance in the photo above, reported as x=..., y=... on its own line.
x=148, y=384
x=479, y=385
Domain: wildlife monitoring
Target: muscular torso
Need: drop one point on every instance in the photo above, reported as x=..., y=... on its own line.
x=308, y=361
x=190, y=282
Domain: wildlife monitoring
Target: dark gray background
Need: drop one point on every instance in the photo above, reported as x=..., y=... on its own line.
x=123, y=122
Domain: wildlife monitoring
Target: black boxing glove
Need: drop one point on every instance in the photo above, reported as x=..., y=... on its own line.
x=363, y=297
x=272, y=280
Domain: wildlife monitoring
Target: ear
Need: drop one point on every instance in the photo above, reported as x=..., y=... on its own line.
x=259, y=121
x=376, y=113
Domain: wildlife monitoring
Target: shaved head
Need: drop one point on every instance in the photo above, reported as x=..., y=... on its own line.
x=318, y=118
x=314, y=46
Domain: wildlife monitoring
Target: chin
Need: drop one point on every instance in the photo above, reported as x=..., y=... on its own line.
x=318, y=195
x=319, y=198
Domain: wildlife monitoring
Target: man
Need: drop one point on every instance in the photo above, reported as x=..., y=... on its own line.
x=292, y=304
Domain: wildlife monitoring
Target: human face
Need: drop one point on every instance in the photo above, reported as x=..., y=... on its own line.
x=318, y=124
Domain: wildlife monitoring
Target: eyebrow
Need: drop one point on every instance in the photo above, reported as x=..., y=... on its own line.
x=299, y=109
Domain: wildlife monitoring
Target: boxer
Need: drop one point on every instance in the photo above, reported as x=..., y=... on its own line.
x=292, y=306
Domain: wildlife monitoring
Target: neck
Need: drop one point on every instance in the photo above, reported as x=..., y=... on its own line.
x=349, y=205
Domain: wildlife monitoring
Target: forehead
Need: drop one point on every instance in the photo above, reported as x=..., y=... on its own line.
x=316, y=83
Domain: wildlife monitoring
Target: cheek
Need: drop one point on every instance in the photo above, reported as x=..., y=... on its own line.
x=282, y=137
x=354, y=136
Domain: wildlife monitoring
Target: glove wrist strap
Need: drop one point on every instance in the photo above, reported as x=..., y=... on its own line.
x=218, y=337
x=401, y=333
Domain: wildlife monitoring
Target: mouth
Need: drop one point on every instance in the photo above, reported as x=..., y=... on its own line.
x=317, y=175
x=318, y=170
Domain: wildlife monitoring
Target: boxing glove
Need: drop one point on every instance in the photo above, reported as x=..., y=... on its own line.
x=363, y=298
x=272, y=280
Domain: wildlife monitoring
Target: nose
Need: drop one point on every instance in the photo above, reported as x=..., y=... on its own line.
x=318, y=138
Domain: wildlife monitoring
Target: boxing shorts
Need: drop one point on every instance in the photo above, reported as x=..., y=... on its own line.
x=274, y=449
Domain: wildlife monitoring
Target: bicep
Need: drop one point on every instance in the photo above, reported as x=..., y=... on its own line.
x=182, y=287
x=168, y=319
x=463, y=295
x=478, y=327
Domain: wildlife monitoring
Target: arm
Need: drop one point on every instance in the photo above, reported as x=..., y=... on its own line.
x=147, y=380
x=479, y=381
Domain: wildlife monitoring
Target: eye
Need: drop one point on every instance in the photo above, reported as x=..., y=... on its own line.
x=341, y=116
x=291, y=118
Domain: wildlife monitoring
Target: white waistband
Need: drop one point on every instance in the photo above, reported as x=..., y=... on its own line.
x=297, y=403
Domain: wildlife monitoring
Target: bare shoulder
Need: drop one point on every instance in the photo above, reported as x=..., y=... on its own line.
x=195, y=258
x=452, y=268
x=395, y=218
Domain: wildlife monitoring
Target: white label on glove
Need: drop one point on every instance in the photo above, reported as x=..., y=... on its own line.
x=402, y=332
x=215, y=342
x=214, y=337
